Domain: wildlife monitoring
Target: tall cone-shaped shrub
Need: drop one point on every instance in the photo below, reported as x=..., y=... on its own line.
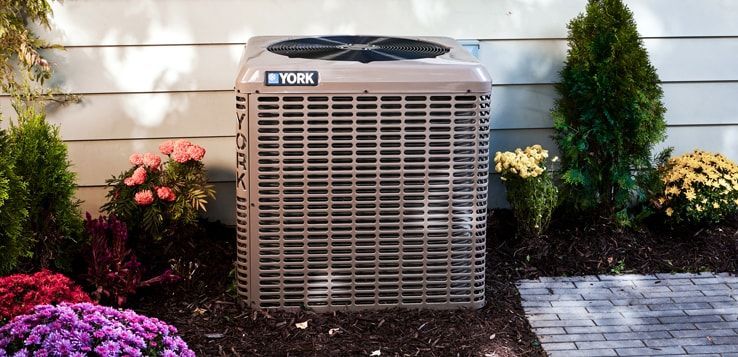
x=13, y=211
x=54, y=223
x=609, y=114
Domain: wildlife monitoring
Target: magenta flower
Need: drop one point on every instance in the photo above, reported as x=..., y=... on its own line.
x=84, y=329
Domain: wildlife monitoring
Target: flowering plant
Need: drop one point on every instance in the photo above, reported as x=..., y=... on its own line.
x=699, y=187
x=530, y=189
x=19, y=293
x=157, y=198
x=85, y=329
x=113, y=269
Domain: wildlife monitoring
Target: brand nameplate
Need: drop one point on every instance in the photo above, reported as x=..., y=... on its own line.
x=291, y=78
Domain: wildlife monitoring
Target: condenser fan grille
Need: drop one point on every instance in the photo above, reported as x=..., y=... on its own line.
x=357, y=48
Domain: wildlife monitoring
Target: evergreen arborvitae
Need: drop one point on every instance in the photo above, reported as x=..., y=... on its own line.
x=13, y=212
x=40, y=158
x=609, y=114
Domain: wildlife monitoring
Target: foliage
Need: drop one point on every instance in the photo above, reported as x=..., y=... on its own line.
x=54, y=223
x=651, y=187
x=609, y=114
x=699, y=187
x=160, y=199
x=112, y=267
x=85, y=329
x=530, y=189
x=23, y=68
x=13, y=211
x=19, y=293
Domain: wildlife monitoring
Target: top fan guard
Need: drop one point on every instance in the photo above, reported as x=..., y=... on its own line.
x=357, y=48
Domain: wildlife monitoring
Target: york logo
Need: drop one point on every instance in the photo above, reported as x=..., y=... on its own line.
x=291, y=78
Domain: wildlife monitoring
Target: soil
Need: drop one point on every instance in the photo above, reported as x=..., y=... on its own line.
x=207, y=314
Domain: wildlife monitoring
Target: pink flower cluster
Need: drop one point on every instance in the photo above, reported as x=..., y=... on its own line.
x=165, y=194
x=182, y=150
x=137, y=178
x=148, y=163
x=148, y=160
x=146, y=197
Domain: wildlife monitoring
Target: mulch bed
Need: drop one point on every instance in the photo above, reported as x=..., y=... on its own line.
x=205, y=309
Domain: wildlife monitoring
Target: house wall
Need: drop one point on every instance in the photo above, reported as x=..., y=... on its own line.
x=155, y=69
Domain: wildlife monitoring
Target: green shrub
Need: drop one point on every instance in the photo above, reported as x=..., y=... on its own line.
x=699, y=187
x=609, y=114
x=158, y=199
x=530, y=189
x=13, y=212
x=40, y=157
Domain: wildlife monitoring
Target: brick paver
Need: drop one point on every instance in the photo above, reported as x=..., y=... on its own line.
x=634, y=315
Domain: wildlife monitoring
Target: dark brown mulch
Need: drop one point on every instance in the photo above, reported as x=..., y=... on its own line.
x=213, y=323
x=605, y=248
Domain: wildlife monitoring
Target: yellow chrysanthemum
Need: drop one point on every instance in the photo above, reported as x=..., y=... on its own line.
x=525, y=163
x=700, y=182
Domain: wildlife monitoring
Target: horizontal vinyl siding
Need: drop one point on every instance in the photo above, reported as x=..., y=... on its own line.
x=145, y=69
x=157, y=22
x=121, y=116
x=154, y=69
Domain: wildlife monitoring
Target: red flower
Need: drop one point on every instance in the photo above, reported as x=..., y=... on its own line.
x=19, y=293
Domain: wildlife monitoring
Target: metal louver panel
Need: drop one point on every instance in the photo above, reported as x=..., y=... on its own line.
x=362, y=201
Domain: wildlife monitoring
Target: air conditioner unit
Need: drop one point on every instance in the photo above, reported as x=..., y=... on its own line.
x=362, y=167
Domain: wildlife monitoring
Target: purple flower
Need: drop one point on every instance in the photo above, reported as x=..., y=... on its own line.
x=79, y=329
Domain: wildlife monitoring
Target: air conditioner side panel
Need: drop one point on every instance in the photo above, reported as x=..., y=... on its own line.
x=243, y=270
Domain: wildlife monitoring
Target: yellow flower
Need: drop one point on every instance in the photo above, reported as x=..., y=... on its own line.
x=669, y=211
x=690, y=195
x=672, y=190
x=525, y=163
x=715, y=205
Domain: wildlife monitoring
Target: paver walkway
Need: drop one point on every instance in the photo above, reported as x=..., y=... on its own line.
x=631, y=315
